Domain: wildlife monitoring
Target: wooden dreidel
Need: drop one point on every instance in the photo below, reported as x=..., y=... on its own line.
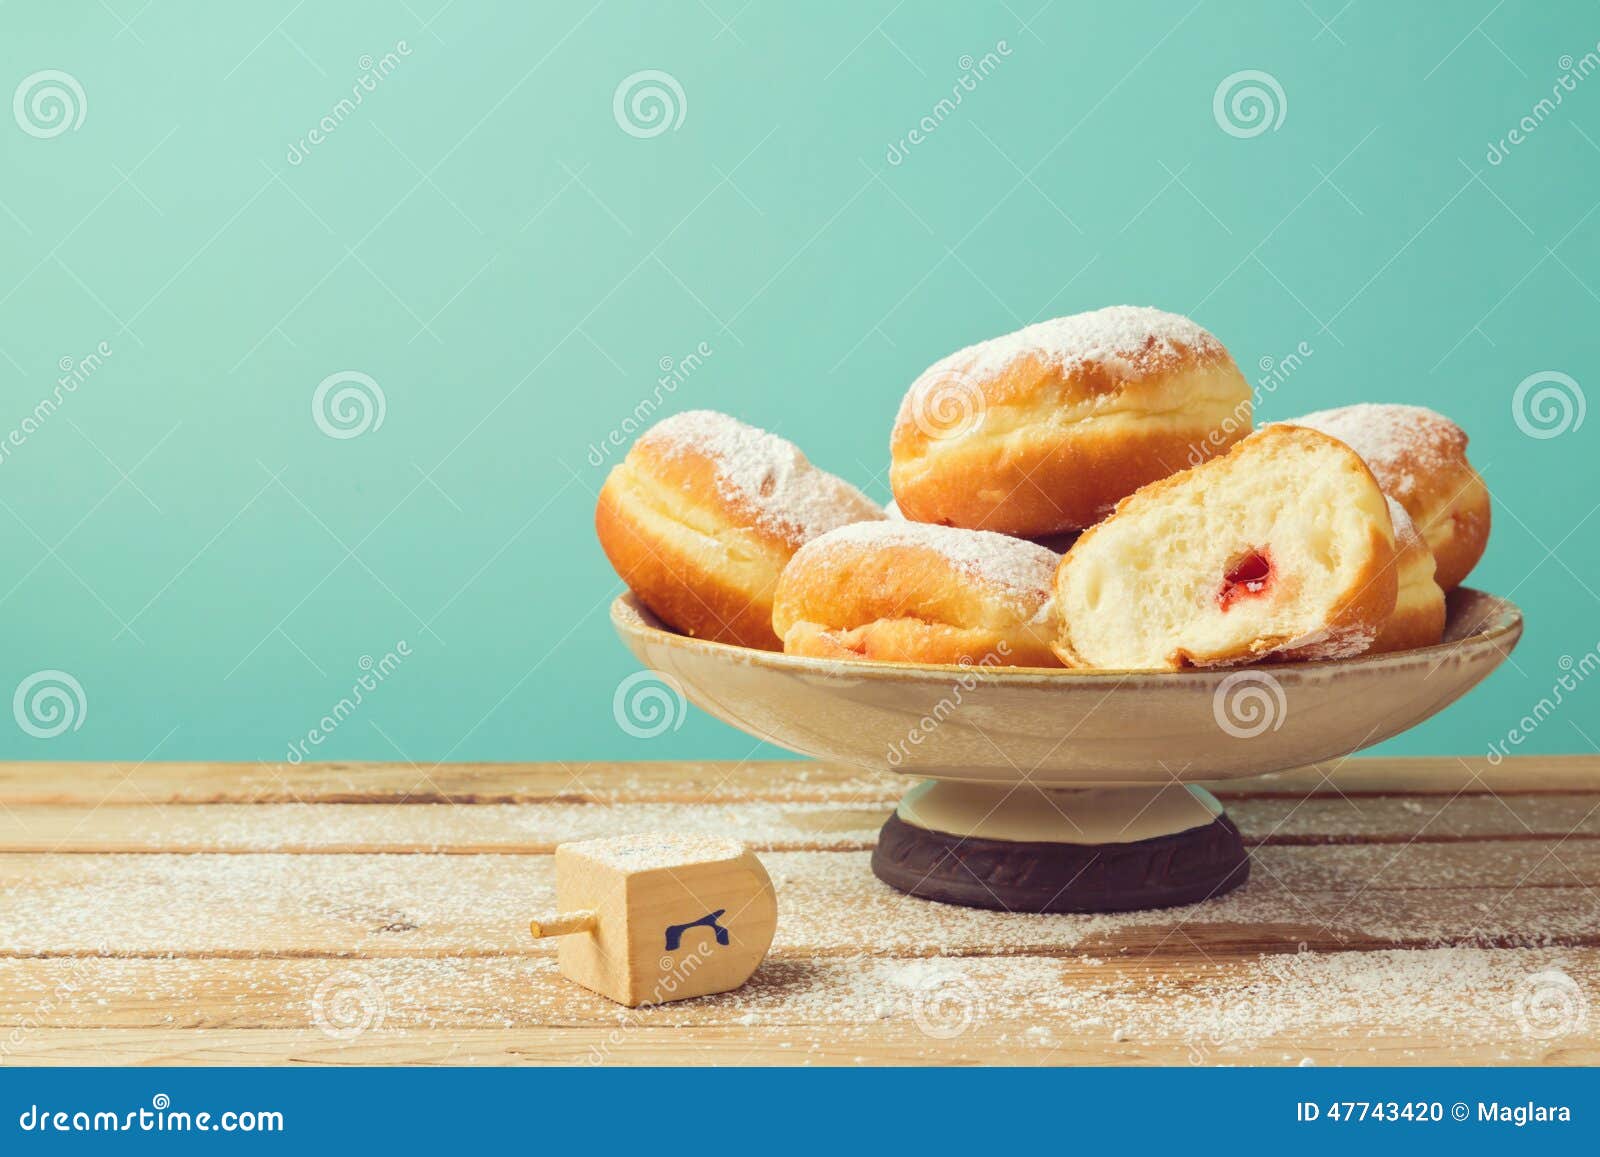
x=651, y=918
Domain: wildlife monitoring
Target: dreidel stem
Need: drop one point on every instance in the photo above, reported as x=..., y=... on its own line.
x=564, y=924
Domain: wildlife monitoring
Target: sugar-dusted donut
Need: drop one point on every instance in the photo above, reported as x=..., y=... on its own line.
x=1040, y=432
x=703, y=514
x=917, y=593
x=1283, y=547
x=1418, y=618
x=1420, y=459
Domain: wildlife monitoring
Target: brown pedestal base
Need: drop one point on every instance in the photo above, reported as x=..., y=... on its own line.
x=1160, y=872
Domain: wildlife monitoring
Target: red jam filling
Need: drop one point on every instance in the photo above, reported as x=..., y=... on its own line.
x=1247, y=576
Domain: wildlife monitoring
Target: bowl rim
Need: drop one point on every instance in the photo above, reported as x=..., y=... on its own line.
x=633, y=620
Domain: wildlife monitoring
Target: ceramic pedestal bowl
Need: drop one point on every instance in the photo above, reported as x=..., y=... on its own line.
x=1061, y=791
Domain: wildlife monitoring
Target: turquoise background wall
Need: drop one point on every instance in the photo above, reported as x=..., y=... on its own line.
x=512, y=260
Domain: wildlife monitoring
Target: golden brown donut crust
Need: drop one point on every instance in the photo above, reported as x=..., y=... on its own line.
x=1043, y=431
x=1419, y=610
x=1456, y=525
x=1420, y=459
x=898, y=592
x=704, y=555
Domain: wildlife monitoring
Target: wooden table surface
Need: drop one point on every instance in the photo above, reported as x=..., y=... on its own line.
x=1399, y=911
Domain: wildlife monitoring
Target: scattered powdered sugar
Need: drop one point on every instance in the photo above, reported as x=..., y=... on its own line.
x=1345, y=1005
x=1131, y=341
x=428, y=945
x=765, y=474
x=638, y=853
x=1397, y=442
x=834, y=902
x=519, y=828
x=845, y=817
x=1018, y=570
x=1456, y=996
x=1330, y=896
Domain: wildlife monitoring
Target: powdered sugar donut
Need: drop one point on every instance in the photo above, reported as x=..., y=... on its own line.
x=918, y=593
x=1283, y=548
x=1041, y=431
x=1419, y=612
x=703, y=514
x=1420, y=459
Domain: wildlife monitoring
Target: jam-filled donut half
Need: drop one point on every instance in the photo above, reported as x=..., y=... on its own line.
x=1283, y=548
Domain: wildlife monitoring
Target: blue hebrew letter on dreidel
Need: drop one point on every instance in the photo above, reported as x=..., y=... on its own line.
x=709, y=920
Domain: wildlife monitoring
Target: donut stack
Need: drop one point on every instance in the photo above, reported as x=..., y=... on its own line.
x=1124, y=437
